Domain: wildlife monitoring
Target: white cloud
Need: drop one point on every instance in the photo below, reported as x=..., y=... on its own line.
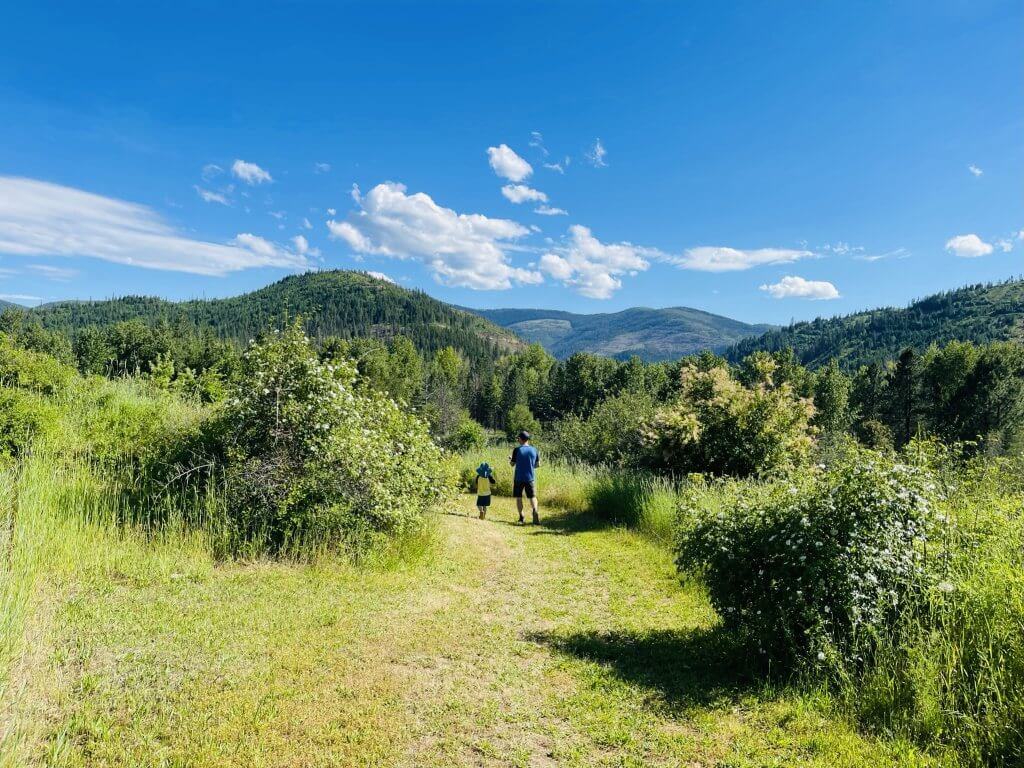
x=464, y=250
x=250, y=173
x=548, y=210
x=321, y=168
x=520, y=193
x=279, y=215
x=792, y=287
x=301, y=246
x=211, y=171
x=332, y=212
x=62, y=274
x=38, y=218
x=968, y=246
x=595, y=156
x=1005, y=245
x=537, y=141
x=306, y=223
x=975, y=169
x=507, y=164
x=721, y=259
x=898, y=253
x=19, y=297
x=590, y=266
x=211, y=197
x=382, y=276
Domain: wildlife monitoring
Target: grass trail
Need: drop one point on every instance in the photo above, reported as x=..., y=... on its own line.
x=566, y=644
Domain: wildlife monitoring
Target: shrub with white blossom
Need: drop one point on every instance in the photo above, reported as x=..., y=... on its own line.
x=816, y=566
x=312, y=458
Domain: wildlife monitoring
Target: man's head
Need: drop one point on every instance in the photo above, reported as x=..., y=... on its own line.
x=524, y=437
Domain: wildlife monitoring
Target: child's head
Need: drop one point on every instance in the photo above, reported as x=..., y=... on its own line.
x=484, y=470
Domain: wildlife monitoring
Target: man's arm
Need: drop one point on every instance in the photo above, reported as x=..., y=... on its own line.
x=515, y=455
x=536, y=459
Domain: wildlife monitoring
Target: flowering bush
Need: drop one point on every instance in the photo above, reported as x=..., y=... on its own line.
x=720, y=426
x=813, y=567
x=313, y=458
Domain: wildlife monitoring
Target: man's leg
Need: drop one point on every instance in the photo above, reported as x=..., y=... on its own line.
x=519, y=506
x=536, y=514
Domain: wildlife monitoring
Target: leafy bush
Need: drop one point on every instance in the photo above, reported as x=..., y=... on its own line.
x=24, y=416
x=37, y=371
x=818, y=566
x=520, y=418
x=612, y=435
x=720, y=426
x=468, y=436
x=313, y=459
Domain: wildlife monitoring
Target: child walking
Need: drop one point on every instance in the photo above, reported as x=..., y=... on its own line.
x=483, y=482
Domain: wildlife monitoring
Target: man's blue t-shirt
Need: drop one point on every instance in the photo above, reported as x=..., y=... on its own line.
x=526, y=458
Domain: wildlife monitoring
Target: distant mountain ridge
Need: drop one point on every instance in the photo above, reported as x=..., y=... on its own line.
x=651, y=334
x=336, y=303
x=979, y=313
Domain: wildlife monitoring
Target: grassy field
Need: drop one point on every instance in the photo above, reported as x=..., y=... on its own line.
x=571, y=644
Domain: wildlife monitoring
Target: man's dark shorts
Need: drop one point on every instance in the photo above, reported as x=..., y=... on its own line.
x=519, y=488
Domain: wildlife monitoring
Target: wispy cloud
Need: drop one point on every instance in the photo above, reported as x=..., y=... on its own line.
x=210, y=196
x=61, y=274
x=38, y=218
x=16, y=297
x=250, y=173
x=793, y=287
x=211, y=171
x=464, y=250
x=596, y=154
x=975, y=170
x=898, y=253
x=520, y=193
x=723, y=259
x=550, y=210
x=321, y=168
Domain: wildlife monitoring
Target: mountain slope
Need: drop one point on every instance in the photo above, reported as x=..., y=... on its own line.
x=652, y=334
x=338, y=303
x=978, y=313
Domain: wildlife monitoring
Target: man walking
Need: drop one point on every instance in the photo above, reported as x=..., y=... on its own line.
x=525, y=458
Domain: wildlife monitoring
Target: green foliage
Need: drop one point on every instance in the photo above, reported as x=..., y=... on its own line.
x=312, y=459
x=717, y=425
x=24, y=417
x=816, y=566
x=519, y=419
x=613, y=434
x=468, y=435
x=27, y=369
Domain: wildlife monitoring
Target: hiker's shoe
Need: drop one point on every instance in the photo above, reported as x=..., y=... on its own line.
x=536, y=519
x=483, y=515
x=521, y=518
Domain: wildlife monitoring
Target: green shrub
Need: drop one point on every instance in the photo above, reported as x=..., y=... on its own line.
x=24, y=416
x=612, y=435
x=818, y=566
x=636, y=500
x=720, y=426
x=519, y=419
x=36, y=371
x=468, y=436
x=311, y=458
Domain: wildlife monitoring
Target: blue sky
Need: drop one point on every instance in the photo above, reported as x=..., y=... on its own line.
x=766, y=161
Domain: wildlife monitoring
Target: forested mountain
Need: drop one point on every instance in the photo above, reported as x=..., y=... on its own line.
x=334, y=303
x=651, y=334
x=978, y=313
x=8, y=305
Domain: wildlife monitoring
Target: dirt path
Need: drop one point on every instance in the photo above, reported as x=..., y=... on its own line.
x=565, y=644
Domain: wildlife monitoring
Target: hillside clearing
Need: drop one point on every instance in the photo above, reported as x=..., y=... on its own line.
x=567, y=644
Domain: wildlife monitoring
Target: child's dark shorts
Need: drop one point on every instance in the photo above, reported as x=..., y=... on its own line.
x=483, y=501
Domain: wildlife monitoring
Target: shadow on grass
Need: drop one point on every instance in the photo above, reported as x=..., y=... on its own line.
x=686, y=668
x=567, y=523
